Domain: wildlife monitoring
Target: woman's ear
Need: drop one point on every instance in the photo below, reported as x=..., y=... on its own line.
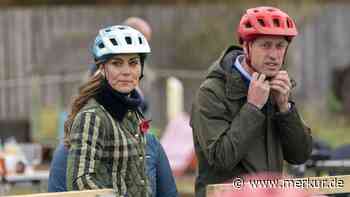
x=101, y=69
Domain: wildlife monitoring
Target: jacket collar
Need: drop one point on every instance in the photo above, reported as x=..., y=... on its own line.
x=235, y=88
x=116, y=103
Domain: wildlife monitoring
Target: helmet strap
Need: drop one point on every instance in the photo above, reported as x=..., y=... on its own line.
x=285, y=55
x=104, y=72
x=142, y=61
x=247, y=56
x=141, y=76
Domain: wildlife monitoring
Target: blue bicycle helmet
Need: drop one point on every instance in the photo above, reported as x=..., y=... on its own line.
x=118, y=40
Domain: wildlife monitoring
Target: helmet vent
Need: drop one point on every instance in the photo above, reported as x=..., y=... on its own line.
x=256, y=11
x=261, y=22
x=270, y=10
x=114, y=42
x=140, y=40
x=108, y=30
x=128, y=40
x=276, y=22
x=101, y=45
x=289, y=23
x=121, y=28
x=248, y=25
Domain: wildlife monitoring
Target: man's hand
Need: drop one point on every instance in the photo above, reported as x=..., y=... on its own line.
x=259, y=90
x=280, y=89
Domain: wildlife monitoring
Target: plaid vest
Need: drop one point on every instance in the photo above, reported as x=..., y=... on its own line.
x=105, y=153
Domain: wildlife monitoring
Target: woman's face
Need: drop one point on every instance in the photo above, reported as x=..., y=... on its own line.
x=123, y=72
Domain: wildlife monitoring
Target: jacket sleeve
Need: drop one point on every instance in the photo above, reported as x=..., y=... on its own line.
x=295, y=136
x=85, y=152
x=224, y=141
x=58, y=167
x=166, y=186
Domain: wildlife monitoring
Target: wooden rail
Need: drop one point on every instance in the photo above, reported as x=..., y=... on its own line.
x=86, y=193
x=317, y=185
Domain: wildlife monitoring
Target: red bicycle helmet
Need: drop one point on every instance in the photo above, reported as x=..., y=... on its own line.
x=265, y=21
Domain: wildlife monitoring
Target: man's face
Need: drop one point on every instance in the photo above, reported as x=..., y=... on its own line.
x=267, y=53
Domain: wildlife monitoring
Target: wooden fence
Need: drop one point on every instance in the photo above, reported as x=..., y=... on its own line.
x=51, y=43
x=320, y=50
x=45, y=50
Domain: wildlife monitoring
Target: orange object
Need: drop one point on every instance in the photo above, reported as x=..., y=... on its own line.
x=3, y=171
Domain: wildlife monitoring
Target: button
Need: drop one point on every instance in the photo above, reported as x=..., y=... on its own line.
x=137, y=135
x=141, y=158
x=142, y=182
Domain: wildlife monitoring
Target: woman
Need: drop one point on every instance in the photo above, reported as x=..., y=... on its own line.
x=157, y=167
x=105, y=130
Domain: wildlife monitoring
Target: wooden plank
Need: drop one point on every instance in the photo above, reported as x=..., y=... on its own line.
x=316, y=185
x=20, y=43
x=3, y=103
x=2, y=46
x=86, y=193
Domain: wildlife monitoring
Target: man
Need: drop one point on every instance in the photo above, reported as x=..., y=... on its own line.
x=139, y=24
x=242, y=117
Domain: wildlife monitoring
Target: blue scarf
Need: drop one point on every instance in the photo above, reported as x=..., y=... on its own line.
x=117, y=103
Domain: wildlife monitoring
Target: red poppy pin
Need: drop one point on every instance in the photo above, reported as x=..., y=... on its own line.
x=144, y=126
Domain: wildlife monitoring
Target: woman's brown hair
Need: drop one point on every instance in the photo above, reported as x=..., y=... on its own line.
x=86, y=92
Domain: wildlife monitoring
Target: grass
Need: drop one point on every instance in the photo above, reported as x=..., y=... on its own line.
x=333, y=128
x=25, y=188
